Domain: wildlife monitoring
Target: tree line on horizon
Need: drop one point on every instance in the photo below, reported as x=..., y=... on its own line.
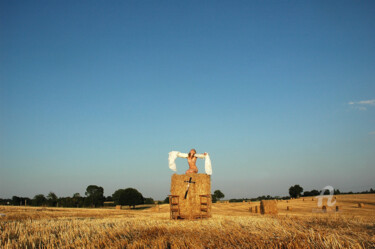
x=94, y=197
x=296, y=191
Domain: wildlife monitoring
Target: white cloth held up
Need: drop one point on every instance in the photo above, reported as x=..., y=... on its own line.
x=174, y=154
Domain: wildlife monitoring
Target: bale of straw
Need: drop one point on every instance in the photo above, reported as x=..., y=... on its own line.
x=288, y=208
x=361, y=205
x=256, y=209
x=337, y=208
x=190, y=208
x=268, y=207
x=118, y=207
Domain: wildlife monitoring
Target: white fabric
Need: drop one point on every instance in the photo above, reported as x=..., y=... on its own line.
x=174, y=154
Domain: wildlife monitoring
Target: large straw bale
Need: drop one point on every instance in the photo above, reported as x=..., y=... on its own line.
x=190, y=207
x=268, y=207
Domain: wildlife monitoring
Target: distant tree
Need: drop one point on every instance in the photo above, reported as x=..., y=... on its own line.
x=129, y=197
x=94, y=195
x=336, y=192
x=5, y=201
x=313, y=192
x=66, y=202
x=149, y=201
x=119, y=197
x=109, y=198
x=16, y=201
x=39, y=200
x=213, y=198
x=77, y=200
x=218, y=194
x=372, y=191
x=166, y=200
x=295, y=191
x=52, y=199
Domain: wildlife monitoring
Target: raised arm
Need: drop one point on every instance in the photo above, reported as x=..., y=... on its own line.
x=182, y=155
x=201, y=156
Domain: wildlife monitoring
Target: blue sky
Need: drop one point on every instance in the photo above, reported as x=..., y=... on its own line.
x=95, y=92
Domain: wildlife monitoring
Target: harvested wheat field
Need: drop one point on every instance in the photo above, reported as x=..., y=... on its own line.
x=232, y=226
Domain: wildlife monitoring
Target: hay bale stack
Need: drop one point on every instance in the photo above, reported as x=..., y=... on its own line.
x=288, y=208
x=118, y=207
x=268, y=207
x=361, y=205
x=190, y=208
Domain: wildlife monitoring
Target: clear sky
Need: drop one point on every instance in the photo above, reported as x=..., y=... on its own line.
x=98, y=92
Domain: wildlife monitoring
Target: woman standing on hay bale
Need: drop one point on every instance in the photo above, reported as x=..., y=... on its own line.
x=192, y=159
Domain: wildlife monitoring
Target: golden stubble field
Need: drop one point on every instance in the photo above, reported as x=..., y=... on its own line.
x=232, y=226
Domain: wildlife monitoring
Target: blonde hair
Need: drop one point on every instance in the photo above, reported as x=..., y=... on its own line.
x=189, y=155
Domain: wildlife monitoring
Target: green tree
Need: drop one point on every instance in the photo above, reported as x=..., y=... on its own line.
x=39, y=200
x=77, y=200
x=52, y=199
x=129, y=197
x=166, y=200
x=295, y=191
x=218, y=194
x=149, y=201
x=16, y=201
x=94, y=195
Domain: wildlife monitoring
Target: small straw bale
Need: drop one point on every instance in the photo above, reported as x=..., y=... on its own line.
x=268, y=207
x=361, y=205
x=337, y=208
x=289, y=208
x=256, y=209
x=118, y=207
